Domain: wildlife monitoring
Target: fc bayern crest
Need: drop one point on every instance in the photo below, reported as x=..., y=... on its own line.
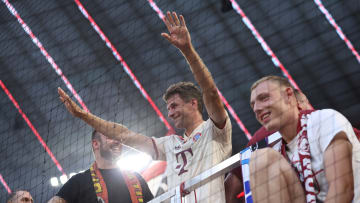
x=196, y=137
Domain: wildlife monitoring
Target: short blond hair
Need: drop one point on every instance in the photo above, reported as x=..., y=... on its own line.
x=281, y=80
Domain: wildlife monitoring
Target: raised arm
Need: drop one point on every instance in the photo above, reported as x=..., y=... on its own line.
x=338, y=170
x=179, y=36
x=110, y=129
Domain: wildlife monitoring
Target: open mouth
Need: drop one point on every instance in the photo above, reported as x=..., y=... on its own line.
x=265, y=117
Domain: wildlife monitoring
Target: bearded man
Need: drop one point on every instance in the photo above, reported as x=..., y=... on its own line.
x=104, y=182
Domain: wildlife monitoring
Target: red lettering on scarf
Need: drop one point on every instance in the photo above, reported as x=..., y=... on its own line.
x=305, y=171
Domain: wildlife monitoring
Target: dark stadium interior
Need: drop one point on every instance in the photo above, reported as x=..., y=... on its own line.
x=307, y=45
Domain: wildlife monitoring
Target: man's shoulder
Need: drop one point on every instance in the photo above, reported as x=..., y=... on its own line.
x=327, y=117
x=322, y=112
x=208, y=123
x=80, y=176
x=73, y=187
x=165, y=138
x=173, y=136
x=325, y=124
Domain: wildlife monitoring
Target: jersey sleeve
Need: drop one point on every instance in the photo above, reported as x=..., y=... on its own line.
x=222, y=135
x=145, y=188
x=160, y=148
x=326, y=124
x=70, y=190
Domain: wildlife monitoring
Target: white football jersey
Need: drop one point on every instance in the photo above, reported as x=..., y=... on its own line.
x=323, y=125
x=189, y=156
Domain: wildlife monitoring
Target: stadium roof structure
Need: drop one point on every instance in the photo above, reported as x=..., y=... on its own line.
x=50, y=44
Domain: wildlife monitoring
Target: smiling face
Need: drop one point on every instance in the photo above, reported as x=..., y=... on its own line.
x=271, y=104
x=181, y=112
x=109, y=149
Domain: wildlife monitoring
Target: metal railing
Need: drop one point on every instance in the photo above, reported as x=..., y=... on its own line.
x=220, y=169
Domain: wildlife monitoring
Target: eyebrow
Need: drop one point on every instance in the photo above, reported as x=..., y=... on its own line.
x=257, y=97
x=262, y=94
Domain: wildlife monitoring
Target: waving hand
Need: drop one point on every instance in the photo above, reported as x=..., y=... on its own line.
x=179, y=36
x=178, y=33
x=70, y=105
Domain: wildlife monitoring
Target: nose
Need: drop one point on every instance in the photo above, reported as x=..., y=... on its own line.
x=257, y=108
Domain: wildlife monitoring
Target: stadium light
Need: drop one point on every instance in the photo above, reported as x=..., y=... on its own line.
x=54, y=181
x=63, y=179
x=134, y=162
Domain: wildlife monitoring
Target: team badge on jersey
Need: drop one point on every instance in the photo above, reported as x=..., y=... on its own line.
x=196, y=137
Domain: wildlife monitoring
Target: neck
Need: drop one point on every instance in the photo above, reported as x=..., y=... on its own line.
x=105, y=164
x=193, y=125
x=288, y=131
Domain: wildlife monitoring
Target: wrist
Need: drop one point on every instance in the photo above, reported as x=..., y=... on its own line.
x=189, y=52
x=187, y=49
x=82, y=114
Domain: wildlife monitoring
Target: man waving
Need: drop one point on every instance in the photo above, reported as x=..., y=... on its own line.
x=204, y=143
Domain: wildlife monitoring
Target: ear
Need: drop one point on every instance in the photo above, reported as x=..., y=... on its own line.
x=95, y=144
x=298, y=106
x=194, y=102
x=289, y=94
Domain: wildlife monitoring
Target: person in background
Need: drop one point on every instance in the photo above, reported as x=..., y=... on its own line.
x=104, y=182
x=20, y=196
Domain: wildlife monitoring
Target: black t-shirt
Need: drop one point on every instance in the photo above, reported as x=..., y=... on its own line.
x=80, y=188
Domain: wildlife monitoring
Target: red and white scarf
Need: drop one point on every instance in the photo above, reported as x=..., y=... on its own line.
x=305, y=172
x=131, y=181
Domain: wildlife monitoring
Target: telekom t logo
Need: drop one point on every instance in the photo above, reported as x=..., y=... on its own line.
x=183, y=156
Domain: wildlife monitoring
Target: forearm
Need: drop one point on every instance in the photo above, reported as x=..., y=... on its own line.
x=201, y=73
x=340, y=194
x=338, y=170
x=119, y=132
x=180, y=37
x=341, y=182
x=212, y=100
x=109, y=129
